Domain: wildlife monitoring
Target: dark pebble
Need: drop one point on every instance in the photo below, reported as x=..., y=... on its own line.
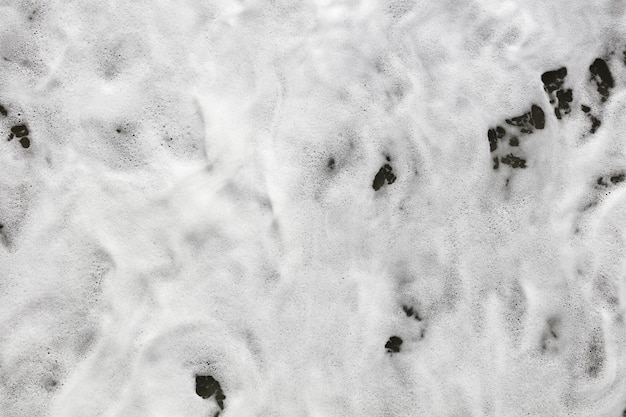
x=25, y=142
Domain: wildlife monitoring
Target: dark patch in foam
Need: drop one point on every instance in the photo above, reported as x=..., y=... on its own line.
x=20, y=131
x=384, y=174
x=607, y=180
x=595, y=122
x=50, y=384
x=3, y=237
x=410, y=312
x=534, y=118
x=513, y=161
x=595, y=357
x=331, y=163
x=393, y=344
x=553, y=80
x=3, y=111
x=601, y=75
x=550, y=336
x=493, y=140
x=526, y=124
x=561, y=98
x=207, y=386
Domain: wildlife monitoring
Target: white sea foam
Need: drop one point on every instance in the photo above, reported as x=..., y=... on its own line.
x=198, y=198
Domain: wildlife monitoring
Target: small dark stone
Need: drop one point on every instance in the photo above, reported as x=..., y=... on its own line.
x=388, y=158
x=331, y=163
x=538, y=117
x=11, y=136
x=616, y=179
x=25, y=142
x=393, y=344
x=19, y=130
x=496, y=162
x=3, y=111
x=500, y=132
x=514, y=141
x=408, y=310
x=586, y=109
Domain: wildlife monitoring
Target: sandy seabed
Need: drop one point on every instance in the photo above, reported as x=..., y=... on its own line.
x=312, y=208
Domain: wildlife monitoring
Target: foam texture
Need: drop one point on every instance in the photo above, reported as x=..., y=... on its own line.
x=312, y=208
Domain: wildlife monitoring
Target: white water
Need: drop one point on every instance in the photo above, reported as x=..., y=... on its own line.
x=175, y=213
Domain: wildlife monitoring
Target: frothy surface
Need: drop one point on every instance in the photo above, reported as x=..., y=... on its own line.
x=331, y=208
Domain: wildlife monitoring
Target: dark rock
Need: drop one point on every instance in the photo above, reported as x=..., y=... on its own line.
x=25, y=142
